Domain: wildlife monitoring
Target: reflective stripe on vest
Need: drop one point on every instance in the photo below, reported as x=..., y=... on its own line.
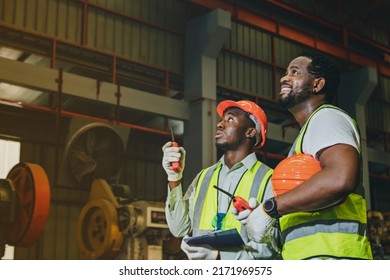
x=205, y=200
x=339, y=231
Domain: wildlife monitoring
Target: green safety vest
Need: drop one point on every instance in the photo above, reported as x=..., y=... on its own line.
x=337, y=232
x=205, y=200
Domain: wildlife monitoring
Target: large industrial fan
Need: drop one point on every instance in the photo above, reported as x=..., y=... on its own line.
x=24, y=205
x=94, y=150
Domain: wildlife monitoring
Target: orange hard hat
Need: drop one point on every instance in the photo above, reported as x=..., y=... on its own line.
x=293, y=171
x=255, y=113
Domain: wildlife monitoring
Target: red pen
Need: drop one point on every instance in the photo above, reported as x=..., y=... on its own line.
x=176, y=164
x=238, y=202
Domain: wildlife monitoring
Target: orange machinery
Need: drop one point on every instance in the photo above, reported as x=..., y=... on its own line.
x=24, y=205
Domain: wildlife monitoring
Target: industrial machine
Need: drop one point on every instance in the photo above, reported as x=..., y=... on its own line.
x=24, y=205
x=112, y=227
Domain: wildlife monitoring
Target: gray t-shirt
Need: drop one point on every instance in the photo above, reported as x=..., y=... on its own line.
x=329, y=127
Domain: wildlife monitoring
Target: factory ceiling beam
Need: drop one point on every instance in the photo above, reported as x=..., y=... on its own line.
x=45, y=79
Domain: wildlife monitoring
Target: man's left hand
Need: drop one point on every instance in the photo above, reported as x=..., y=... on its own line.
x=257, y=224
x=199, y=252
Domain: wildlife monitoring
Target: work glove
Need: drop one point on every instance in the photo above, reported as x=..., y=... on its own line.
x=243, y=215
x=199, y=252
x=257, y=224
x=173, y=154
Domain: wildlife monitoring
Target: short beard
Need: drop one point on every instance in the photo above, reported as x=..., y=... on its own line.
x=294, y=99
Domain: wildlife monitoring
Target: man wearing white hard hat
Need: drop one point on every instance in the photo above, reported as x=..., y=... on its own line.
x=203, y=209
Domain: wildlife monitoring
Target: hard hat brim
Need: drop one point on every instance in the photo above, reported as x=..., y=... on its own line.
x=224, y=105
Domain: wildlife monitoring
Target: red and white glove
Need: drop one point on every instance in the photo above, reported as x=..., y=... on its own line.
x=243, y=215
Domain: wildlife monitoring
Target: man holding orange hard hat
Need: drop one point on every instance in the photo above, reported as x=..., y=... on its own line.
x=324, y=215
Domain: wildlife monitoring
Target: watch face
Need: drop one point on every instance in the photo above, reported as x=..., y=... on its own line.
x=268, y=205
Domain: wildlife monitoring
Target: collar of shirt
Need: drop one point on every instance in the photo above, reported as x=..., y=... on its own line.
x=248, y=162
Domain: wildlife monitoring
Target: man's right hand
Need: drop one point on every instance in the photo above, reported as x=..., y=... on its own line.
x=173, y=154
x=242, y=216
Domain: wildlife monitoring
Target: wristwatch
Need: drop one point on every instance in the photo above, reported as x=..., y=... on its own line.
x=271, y=208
